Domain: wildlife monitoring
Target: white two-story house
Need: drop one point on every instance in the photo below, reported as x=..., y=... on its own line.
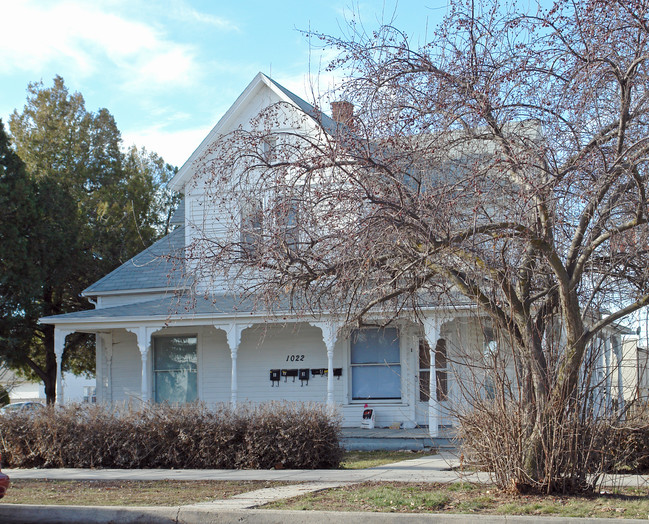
x=158, y=342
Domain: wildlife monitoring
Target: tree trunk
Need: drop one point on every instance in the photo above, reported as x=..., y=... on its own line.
x=50, y=366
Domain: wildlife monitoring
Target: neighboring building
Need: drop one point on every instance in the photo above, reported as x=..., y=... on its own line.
x=155, y=344
x=76, y=389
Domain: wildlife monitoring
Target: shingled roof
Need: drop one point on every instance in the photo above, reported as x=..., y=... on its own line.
x=157, y=267
x=183, y=306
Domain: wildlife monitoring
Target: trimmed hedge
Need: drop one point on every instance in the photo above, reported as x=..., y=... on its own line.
x=273, y=435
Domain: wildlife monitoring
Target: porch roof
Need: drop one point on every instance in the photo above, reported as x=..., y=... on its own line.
x=166, y=308
x=191, y=307
x=153, y=268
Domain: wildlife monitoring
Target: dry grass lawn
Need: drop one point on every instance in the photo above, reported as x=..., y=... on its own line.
x=467, y=498
x=126, y=492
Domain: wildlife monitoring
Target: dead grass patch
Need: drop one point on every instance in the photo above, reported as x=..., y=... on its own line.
x=127, y=492
x=373, y=459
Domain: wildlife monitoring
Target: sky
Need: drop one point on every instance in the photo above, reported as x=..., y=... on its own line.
x=167, y=70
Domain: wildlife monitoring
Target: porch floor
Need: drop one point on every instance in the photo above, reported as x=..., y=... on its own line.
x=415, y=439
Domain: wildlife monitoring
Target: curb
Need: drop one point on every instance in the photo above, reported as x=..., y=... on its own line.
x=28, y=514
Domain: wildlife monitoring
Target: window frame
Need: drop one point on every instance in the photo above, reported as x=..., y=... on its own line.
x=441, y=371
x=392, y=366
x=155, y=372
x=251, y=227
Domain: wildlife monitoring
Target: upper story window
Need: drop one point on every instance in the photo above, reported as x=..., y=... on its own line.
x=269, y=148
x=287, y=220
x=375, y=364
x=252, y=225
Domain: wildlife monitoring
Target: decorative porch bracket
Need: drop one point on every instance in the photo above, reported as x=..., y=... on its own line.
x=432, y=328
x=143, y=334
x=59, y=346
x=329, y=336
x=233, y=332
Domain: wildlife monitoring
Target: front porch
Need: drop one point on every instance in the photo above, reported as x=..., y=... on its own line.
x=147, y=354
x=415, y=439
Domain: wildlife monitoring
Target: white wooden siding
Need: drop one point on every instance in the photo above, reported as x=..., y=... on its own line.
x=263, y=349
x=128, y=298
x=217, y=367
x=126, y=367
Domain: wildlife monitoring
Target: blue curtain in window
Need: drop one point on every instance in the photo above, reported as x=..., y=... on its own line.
x=376, y=364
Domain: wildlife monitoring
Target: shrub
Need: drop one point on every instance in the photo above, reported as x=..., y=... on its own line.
x=160, y=436
x=577, y=450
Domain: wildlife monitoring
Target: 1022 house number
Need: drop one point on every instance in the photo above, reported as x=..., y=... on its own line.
x=295, y=358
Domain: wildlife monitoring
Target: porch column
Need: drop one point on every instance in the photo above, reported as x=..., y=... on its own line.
x=617, y=350
x=106, y=341
x=144, y=344
x=329, y=336
x=432, y=326
x=59, y=346
x=607, y=378
x=143, y=334
x=233, y=332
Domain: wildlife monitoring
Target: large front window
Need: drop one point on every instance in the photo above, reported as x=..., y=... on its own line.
x=376, y=364
x=174, y=369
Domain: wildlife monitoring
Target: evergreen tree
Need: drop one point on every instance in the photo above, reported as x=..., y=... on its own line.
x=88, y=207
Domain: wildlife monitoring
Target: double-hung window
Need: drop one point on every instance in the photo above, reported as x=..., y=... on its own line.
x=375, y=364
x=175, y=369
x=286, y=213
x=440, y=370
x=269, y=148
x=252, y=224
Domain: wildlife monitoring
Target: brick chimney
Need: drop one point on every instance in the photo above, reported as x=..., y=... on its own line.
x=342, y=112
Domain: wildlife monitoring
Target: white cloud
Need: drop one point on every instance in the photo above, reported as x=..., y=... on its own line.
x=186, y=13
x=84, y=39
x=175, y=147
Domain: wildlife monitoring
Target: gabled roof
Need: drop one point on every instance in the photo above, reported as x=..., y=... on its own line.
x=155, y=268
x=327, y=123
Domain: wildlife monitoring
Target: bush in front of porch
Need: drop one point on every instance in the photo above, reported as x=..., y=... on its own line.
x=272, y=435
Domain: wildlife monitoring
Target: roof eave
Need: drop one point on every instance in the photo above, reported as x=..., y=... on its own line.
x=136, y=291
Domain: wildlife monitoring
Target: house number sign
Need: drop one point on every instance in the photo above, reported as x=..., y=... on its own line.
x=295, y=358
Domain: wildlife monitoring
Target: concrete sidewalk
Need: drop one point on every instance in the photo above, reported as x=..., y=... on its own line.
x=433, y=468
x=442, y=468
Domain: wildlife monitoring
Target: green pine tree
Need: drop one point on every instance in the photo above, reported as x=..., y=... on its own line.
x=86, y=208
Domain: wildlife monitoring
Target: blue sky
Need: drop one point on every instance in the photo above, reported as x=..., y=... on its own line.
x=168, y=69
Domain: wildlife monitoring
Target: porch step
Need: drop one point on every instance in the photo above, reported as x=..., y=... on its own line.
x=417, y=439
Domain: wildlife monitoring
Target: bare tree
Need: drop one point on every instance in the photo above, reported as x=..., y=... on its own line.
x=503, y=165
